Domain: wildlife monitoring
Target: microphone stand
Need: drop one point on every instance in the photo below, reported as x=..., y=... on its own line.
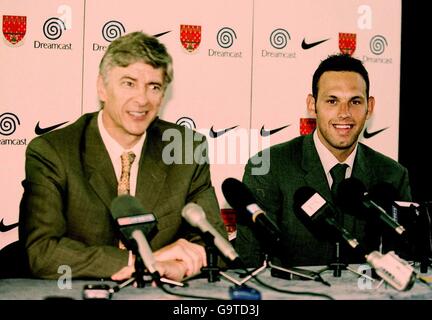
x=138, y=275
x=141, y=276
x=285, y=273
x=212, y=271
x=139, y=271
x=424, y=235
x=338, y=266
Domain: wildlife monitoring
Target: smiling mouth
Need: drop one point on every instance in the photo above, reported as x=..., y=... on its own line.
x=343, y=126
x=137, y=113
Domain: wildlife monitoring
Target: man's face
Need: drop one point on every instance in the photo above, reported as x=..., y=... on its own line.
x=341, y=110
x=132, y=98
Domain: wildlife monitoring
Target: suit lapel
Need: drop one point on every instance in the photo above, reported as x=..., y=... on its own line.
x=360, y=170
x=98, y=164
x=314, y=172
x=152, y=171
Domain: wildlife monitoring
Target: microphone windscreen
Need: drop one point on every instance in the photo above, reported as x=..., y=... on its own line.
x=351, y=192
x=237, y=194
x=383, y=192
x=130, y=215
x=312, y=210
x=126, y=205
x=193, y=214
x=302, y=195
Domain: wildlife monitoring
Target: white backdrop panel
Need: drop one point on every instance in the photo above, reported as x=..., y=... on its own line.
x=241, y=79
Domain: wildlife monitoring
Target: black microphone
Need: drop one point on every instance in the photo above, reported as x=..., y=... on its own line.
x=130, y=216
x=136, y=226
x=312, y=209
x=352, y=193
x=241, y=199
x=195, y=216
x=390, y=267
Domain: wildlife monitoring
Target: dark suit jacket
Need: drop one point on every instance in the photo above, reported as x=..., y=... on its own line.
x=70, y=184
x=294, y=164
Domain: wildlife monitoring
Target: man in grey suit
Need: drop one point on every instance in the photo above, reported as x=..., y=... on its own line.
x=72, y=175
x=341, y=104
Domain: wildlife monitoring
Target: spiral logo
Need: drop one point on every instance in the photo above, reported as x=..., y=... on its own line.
x=112, y=30
x=279, y=38
x=53, y=28
x=378, y=44
x=186, y=122
x=8, y=123
x=225, y=37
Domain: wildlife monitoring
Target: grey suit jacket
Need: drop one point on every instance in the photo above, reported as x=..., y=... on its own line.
x=294, y=164
x=69, y=186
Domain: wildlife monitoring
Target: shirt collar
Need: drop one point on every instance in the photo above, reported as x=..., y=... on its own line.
x=328, y=160
x=113, y=147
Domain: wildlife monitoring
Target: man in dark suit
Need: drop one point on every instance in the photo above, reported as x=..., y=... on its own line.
x=341, y=104
x=72, y=175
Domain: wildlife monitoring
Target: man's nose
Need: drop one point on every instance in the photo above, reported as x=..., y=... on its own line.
x=141, y=96
x=344, y=110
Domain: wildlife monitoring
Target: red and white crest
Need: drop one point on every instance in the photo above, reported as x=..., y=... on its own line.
x=190, y=37
x=14, y=29
x=307, y=125
x=347, y=43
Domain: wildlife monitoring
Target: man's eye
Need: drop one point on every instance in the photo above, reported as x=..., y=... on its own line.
x=128, y=83
x=155, y=87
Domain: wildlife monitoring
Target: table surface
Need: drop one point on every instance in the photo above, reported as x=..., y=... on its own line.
x=347, y=287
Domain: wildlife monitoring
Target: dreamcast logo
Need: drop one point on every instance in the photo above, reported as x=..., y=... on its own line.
x=279, y=38
x=8, y=123
x=225, y=37
x=112, y=30
x=377, y=44
x=53, y=28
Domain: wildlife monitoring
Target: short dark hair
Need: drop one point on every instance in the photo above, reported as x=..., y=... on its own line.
x=339, y=62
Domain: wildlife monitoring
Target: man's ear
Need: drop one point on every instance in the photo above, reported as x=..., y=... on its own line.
x=370, y=107
x=311, y=106
x=101, y=88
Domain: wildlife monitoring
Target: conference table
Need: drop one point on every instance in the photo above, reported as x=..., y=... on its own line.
x=349, y=286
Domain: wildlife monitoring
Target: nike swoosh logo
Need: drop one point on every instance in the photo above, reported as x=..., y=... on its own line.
x=161, y=34
x=215, y=134
x=39, y=130
x=307, y=46
x=266, y=133
x=4, y=228
x=368, y=135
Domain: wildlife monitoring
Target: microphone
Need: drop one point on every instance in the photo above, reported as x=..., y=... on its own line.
x=313, y=210
x=145, y=252
x=136, y=225
x=195, y=216
x=241, y=199
x=352, y=192
x=390, y=267
x=130, y=216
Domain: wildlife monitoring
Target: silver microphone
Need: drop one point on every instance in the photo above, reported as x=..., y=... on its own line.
x=196, y=217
